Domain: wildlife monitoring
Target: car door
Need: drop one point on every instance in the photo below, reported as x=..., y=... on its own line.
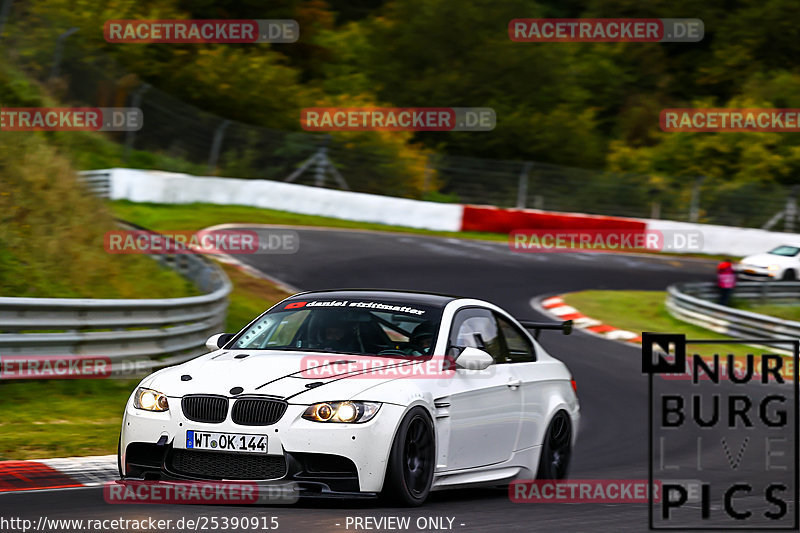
x=534, y=389
x=483, y=405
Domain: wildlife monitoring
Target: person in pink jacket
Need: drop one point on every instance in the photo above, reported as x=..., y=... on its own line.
x=726, y=281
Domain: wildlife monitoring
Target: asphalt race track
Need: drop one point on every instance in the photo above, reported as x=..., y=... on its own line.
x=611, y=387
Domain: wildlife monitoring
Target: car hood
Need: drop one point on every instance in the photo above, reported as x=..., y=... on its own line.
x=765, y=260
x=299, y=376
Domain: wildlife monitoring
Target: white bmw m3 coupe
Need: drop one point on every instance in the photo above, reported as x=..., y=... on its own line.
x=360, y=393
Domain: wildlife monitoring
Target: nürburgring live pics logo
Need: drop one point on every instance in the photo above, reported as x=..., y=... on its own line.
x=723, y=433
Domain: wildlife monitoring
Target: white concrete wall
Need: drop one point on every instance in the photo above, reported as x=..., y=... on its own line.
x=727, y=239
x=172, y=188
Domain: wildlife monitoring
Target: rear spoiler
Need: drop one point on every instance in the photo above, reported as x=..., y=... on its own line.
x=565, y=327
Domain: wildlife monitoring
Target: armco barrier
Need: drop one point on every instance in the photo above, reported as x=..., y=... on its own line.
x=691, y=302
x=166, y=330
x=97, y=181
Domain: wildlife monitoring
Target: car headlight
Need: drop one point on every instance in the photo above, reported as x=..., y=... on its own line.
x=773, y=268
x=150, y=400
x=343, y=412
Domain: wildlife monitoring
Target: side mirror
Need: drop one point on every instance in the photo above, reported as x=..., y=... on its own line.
x=473, y=359
x=215, y=342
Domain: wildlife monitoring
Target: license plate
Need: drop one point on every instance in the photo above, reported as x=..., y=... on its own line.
x=226, y=442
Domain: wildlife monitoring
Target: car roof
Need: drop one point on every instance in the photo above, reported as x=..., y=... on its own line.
x=404, y=296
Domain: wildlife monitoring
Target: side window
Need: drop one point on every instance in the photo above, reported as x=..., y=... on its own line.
x=520, y=348
x=476, y=328
x=287, y=329
x=274, y=329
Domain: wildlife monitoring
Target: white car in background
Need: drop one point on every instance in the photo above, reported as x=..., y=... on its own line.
x=360, y=393
x=781, y=263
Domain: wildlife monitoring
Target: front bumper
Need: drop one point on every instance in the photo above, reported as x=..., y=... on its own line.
x=315, y=475
x=320, y=458
x=755, y=273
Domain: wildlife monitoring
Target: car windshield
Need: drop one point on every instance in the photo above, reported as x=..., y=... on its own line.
x=363, y=327
x=786, y=251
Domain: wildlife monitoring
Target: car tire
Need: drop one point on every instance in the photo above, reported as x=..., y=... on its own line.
x=789, y=275
x=412, y=460
x=556, y=448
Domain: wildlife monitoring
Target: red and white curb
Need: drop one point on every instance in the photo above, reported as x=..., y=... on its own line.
x=59, y=473
x=558, y=308
x=247, y=269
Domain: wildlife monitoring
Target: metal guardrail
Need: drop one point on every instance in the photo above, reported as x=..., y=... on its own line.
x=171, y=328
x=763, y=291
x=97, y=181
x=692, y=302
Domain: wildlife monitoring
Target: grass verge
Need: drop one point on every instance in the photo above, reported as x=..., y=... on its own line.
x=60, y=418
x=193, y=217
x=640, y=311
x=250, y=297
x=52, y=233
x=784, y=311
